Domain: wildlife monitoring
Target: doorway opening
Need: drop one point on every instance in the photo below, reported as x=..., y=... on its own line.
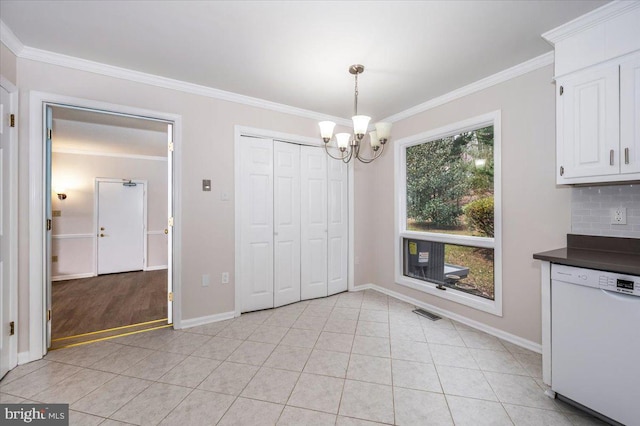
x=108, y=195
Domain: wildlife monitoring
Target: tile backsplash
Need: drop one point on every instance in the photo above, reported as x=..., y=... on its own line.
x=591, y=210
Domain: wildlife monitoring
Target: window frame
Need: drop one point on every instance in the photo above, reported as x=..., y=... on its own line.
x=400, y=150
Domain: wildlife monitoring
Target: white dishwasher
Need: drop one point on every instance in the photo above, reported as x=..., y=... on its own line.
x=595, y=340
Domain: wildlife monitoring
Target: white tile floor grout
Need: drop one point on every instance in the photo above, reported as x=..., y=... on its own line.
x=351, y=359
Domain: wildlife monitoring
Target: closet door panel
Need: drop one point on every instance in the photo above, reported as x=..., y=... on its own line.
x=313, y=214
x=256, y=239
x=286, y=223
x=338, y=244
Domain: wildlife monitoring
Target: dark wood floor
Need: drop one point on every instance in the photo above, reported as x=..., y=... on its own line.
x=107, y=301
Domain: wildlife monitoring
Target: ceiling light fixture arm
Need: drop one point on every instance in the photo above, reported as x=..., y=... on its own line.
x=365, y=160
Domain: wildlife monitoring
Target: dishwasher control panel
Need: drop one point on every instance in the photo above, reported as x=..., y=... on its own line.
x=620, y=284
x=610, y=281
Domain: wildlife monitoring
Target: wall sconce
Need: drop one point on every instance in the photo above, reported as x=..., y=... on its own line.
x=62, y=195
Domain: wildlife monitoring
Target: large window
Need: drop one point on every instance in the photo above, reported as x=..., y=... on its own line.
x=448, y=206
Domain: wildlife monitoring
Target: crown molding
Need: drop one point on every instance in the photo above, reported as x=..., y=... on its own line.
x=589, y=20
x=9, y=39
x=500, y=77
x=26, y=52
x=169, y=83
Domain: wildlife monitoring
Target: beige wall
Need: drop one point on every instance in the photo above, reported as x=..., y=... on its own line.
x=77, y=174
x=536, y=214
x=7, y=64
x=207, y=153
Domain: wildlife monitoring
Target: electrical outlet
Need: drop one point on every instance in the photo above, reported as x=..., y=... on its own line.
x=619, y=216
x=206, y=280
x=225, y=278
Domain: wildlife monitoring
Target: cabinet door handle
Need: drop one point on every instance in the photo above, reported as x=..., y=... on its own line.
x=626, y=156
x=611, y=157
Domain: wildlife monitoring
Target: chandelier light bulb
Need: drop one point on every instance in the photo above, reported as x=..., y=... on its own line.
x=326, y=130
x=383, y=129
x=343, y=140
x=360, y=125
x=375, y=142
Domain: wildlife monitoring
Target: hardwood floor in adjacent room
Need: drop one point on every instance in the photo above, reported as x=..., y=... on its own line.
x=108, y=301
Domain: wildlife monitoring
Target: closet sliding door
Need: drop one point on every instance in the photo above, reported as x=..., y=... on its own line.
x=286, y=216
x=313, y=217
x=256, y=231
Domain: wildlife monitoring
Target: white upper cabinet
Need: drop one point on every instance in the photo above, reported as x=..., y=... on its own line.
x=630, y=115
x=587, y=124
x=597, y=72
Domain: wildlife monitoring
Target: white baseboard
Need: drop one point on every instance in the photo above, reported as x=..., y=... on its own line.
x=511, y=338
x=155, y=268
x=25, y=357
x=193, y=322
x=72, y=276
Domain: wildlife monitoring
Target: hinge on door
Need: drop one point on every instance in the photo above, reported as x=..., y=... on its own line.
x=49, y=315
x=170, y=146
x=48, y=224
x=561, y=171
x=170, y=221
x=49, y=133
x=170, y=296
x=12, y=120
x=561, y=90
x=12, y=328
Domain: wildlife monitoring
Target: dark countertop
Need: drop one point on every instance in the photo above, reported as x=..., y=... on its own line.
x=613, y=254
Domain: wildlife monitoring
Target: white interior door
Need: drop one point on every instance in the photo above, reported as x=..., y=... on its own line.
x=121, y=232
x=313, y=217
x=286, y=212
x=338, y=221
x=256, y=227
x=6, y=339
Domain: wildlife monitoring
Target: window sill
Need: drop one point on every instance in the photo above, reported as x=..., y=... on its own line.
x=493, y=307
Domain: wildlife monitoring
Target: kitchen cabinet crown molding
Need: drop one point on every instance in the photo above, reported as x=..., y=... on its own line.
x=589, y=20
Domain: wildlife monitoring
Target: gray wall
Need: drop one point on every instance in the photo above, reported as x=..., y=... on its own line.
x=591, y=210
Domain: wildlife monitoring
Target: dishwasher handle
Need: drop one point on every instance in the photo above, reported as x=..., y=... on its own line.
x=621, y=296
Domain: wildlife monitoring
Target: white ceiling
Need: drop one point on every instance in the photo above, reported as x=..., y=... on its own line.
x=297, y=52
x=82, y=131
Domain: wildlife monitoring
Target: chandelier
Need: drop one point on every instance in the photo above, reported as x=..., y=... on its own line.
x=348, y=146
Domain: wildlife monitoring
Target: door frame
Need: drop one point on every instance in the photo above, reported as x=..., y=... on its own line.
x=13, y=221
x=96, y=218
x=37, y=214
x=300, y=140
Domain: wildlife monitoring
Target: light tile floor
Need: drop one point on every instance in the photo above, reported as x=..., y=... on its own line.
x=350, y=359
